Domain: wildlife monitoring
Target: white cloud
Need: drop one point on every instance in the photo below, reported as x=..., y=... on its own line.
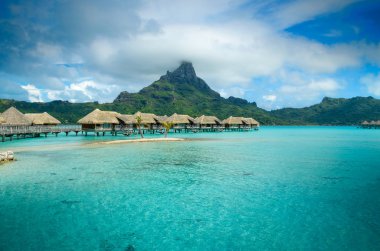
x=227, y=45
x=373, y=83
x=87, y=90
x=34, y=94
x=303, y=10
x=233, y=91
x=311, y=91
x=270, y=98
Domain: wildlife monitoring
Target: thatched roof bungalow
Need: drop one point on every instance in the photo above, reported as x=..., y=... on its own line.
x=234, y=121
x=207, y=121
x=126, y=119
x=251, y=122
x=42, y=119
x=162, y=119
x=14, y=117
x=181, y=120
x=2, y=120
x=99, y=120
x=371, y=124
x=147, y=119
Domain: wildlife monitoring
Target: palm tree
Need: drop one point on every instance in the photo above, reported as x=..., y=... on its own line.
x=139, y=123
x=167, y=126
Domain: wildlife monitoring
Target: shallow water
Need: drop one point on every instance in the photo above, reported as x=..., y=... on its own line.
x=281, y=188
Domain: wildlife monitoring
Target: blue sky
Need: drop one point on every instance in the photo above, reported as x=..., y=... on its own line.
x=276, y=53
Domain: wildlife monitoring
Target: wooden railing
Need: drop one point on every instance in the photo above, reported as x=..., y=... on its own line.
x=12, y=130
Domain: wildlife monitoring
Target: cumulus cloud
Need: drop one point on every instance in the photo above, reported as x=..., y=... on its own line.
x=87, y=90
x=270, y=98
x=303, y=10
x=91, y=50
x=34, y=94
x=372, y=83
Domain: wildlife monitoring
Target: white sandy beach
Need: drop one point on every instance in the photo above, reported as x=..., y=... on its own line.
x=140, y=140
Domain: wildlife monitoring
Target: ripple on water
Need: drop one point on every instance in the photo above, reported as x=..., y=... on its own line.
x=266, y=190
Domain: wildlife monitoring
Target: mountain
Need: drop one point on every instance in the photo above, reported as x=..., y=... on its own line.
x=182, y=91
x=333, y=111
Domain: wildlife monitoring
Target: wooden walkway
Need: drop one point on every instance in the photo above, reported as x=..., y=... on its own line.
x=12, y=132
x=36, y=131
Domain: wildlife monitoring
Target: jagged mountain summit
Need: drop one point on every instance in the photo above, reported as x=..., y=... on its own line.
x=182, y=91
x=185, y=74
x=182, y=78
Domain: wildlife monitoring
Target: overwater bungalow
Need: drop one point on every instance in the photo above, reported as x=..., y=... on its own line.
x=13, y=117
x=2, y=120
x=42, y=119
x=99, y=121
x=373, y=124
x=162, y=119
x=181, y=121
x=251, y=122
x=208, y=122
x=148, y=120
x=235, y=123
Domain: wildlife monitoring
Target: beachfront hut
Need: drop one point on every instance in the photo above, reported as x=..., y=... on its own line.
x=251, y=122
x=42, y=119
x=14, y=117
x=99, y=121
x=210, y=122
x=234, y=122
x=181, y=121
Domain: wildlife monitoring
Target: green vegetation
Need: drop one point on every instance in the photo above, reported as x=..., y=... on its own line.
x=333, y=111
x=139, y=124
x=183, y=92
x=168, y=125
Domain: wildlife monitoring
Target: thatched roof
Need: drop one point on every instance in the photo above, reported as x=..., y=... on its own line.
x=146, y=118
x=127, y=118
x=374, y=122
x=251, y=121
x=161, y=119
x=100, y=117
x=42, y=119
x=234, y=121
x=207, y=120
x=181, y=119
x=12, y=116
x=2, y=120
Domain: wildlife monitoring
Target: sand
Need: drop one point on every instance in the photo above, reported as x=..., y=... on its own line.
x=140, y=140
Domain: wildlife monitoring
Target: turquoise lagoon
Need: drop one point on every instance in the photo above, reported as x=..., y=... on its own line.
x=280, y=188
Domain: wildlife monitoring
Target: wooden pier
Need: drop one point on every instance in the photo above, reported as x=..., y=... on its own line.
x=17, y=132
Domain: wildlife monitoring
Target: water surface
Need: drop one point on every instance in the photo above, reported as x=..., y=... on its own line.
x=281, y=188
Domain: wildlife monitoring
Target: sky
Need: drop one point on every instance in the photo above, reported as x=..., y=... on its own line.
x=277, y=53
